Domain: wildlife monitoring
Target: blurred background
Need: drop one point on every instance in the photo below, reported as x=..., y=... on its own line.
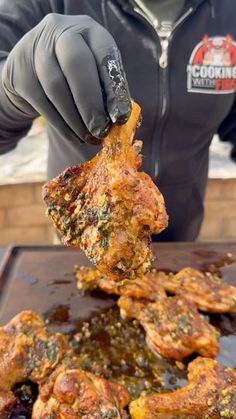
x=23, y=172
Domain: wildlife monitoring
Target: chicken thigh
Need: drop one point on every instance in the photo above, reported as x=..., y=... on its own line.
x=75, y=394
x=206, y=290
x=28, y=352
x=146, y=286
x=107, y=207
x=174, y=328
x=210, y=394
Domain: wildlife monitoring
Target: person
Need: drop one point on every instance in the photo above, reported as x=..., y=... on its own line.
x=62, y=59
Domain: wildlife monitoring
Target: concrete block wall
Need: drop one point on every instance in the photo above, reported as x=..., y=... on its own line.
x=23, y=220
x=22, y=215
x=220, y=211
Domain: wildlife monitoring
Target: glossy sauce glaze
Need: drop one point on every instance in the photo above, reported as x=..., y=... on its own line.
x=116, y=349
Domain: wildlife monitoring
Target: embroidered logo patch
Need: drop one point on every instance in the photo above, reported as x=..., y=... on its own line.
x=212, y=66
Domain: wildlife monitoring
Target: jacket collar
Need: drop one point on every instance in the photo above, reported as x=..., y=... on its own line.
x=127, y=3
x=197, y=3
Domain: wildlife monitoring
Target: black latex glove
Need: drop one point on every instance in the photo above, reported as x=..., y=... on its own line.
x=68, y=69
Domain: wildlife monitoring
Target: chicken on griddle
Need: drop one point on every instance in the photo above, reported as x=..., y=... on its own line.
x=209, y=394
x=28, y=352
x=107, y=208
x=7, y=401
x=72, y=394
x=146, y=286
x=206, y=290
x=174, y=328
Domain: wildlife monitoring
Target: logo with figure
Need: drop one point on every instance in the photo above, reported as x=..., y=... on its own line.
x=212, y=66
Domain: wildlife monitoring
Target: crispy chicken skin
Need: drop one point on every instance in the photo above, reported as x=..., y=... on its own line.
x=174, y=328
x=206, y=290
x=27, y=352
x=72, y=394
x=90, y=278
x=7, y=401
x=147, y=286
x=107, y=208
x=210, y=394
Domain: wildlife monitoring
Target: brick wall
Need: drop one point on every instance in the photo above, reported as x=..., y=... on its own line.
x=220, y=211
x=22, y=215
x=23, y=220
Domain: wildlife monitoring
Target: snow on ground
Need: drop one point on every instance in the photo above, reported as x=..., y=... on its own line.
x=221, y=166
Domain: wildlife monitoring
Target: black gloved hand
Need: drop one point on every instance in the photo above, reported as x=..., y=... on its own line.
x=68, y=69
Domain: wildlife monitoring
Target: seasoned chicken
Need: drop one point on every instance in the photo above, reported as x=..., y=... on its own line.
x=72, y=394
x=107, y=208
x=207, y=290
x=210, y=394
x=174, y=328
x=146, y=286
x=7, y=401
x=27, y=352
x=89, y=278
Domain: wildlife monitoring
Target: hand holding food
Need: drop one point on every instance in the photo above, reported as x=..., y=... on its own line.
x=107, y=207
x=69, y=70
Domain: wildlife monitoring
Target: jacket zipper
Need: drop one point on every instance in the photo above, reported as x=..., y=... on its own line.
x=165, y=38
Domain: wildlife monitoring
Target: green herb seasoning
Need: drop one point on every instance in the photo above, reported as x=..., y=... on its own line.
x=116, y=349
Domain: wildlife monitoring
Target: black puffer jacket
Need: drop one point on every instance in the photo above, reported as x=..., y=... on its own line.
x=184, y=103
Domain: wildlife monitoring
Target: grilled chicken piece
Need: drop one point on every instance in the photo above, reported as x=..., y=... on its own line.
x=28, y=352
x=174, y=328
x=210, y=394
x=107, y=208
x=72, y=394
x=146, y=286
x=207, y=290
x=7, y=401
x=89, y=279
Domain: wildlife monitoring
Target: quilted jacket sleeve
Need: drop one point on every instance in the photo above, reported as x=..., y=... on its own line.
x=17, y=17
